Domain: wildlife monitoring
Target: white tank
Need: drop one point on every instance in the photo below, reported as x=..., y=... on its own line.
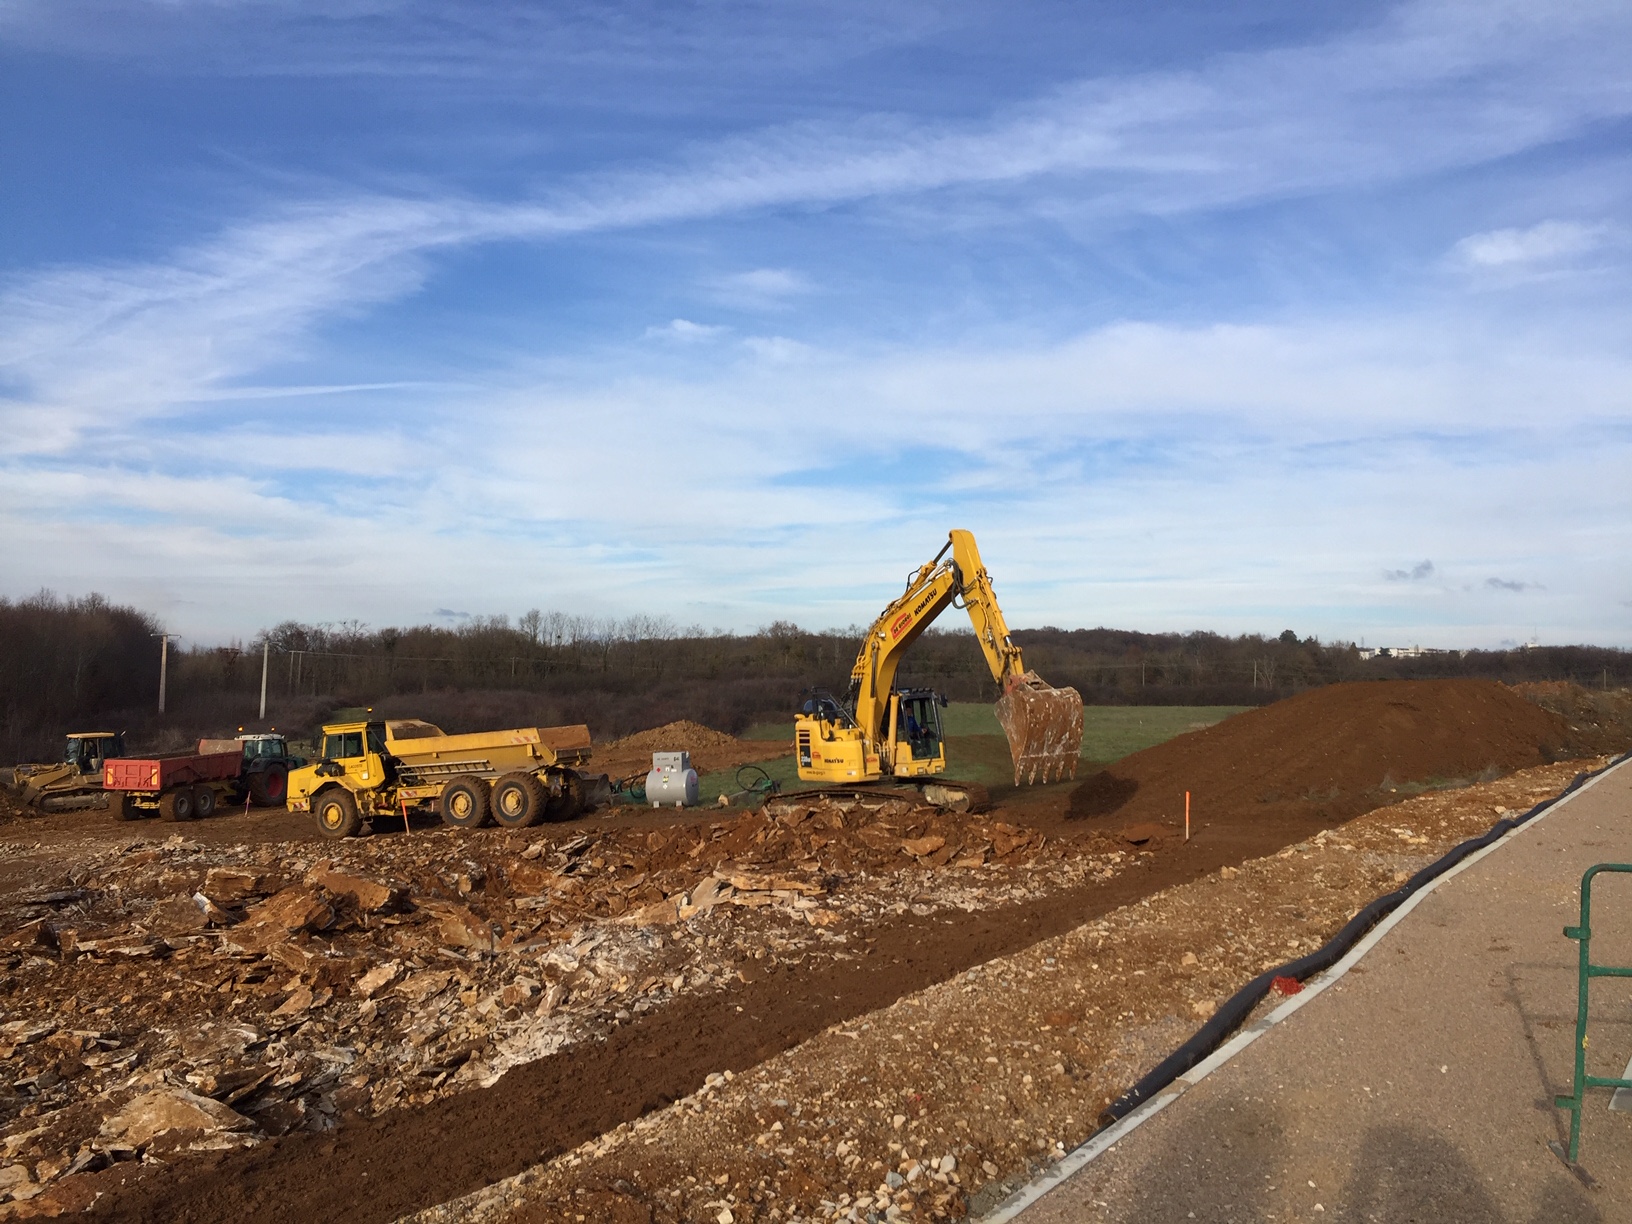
x=672, y=780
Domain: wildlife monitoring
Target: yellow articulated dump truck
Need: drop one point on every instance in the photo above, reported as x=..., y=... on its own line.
x=515, y=778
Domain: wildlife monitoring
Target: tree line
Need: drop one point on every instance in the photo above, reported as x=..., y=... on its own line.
x=64, y=663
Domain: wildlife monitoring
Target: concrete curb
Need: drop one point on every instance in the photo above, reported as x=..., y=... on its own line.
x=1080, y=1157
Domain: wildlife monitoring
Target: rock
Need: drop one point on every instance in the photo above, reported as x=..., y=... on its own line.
x=282, y=915
x=1189, y=958
x=1204, y=1009
x=372, y=897
x=377, y=979
x=530, y=879
x=921, y=847
x=894, y=1180
x=165, y=1111
x=233, y=884
x=948, y=1163
x=299, y=1000
x=178, y=915
x=214, y=914
x=658, y=913
x=1229, y=873
x=16, y=1184
x=292, y=956
x=37, y=936
x=458, y=927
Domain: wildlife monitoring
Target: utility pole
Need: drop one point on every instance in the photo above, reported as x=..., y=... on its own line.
x=164, y=666
x=266, y=659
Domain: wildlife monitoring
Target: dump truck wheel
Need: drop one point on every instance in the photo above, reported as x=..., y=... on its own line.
x=464, y=803
x=336, y=813
x=203, y=801
x=570, y=802
x=177, y=803
x=269, y=788
x=518, y=800
x=120, y=807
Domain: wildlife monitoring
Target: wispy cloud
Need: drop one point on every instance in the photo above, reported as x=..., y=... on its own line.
x=1544, y=242
x=685, y=331
x=1506, y=584
x=760, y=288
x=1417, y=573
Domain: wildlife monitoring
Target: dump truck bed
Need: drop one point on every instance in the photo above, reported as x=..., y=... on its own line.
x=418, y=744
x=158, y=773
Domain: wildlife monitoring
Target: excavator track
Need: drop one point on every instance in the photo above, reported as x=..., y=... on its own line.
x=968, y=798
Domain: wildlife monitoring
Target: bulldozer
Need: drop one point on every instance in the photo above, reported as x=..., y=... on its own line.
x=73, y=782
x=880, y=733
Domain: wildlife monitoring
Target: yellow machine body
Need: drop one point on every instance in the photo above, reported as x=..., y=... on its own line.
x=880, y=732
x=387, y=768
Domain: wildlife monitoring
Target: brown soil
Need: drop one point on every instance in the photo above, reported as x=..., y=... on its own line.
x=710, y=749
x=852, y=909
x=1331, y=753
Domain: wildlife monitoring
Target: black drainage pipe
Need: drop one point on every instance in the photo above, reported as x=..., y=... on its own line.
x=1230, y=1016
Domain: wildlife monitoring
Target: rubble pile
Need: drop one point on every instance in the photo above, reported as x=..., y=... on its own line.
x=167, y=996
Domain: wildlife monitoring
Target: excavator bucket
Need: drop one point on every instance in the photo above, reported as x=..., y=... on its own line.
x=1044, y=726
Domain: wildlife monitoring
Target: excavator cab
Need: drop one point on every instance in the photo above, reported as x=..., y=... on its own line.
x=915, y=717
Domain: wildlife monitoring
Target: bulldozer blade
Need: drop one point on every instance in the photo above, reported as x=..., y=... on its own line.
x=1044, y=726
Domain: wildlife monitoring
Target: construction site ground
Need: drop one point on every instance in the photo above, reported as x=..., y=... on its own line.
x=1421, y=1086
x=857, y=1009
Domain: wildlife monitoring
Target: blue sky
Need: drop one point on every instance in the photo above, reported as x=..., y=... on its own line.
x=1199, y=316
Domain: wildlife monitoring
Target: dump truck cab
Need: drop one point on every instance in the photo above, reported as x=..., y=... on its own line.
x=352, y=764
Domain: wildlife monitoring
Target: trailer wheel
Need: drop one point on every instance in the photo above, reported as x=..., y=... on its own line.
x=203, y=801
x=120, y=807
x=270, y=788
x=337, y=814
x=464, y=802
x=176, y=803
x=518, y=800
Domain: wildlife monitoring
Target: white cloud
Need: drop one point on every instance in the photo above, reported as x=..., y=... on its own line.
x=759, y=289
x=685, y=331
x=778, y=349
x=1545, y=242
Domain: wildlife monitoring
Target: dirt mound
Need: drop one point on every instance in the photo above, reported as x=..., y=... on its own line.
x=1332, y=753
x=1602, y=718
x=682, y=736
x=710, y=749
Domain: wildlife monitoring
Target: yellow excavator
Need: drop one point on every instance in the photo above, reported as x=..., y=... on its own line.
x=879, y=732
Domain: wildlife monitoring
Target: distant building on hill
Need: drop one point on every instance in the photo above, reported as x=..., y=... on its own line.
x=1403, y=652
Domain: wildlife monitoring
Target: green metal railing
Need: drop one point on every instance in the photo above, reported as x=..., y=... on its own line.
x=1584, y=975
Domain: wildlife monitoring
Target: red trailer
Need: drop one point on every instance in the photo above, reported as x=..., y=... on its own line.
x=178, y=785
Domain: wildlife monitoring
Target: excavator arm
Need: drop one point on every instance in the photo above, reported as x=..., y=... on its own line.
x=1043, y=724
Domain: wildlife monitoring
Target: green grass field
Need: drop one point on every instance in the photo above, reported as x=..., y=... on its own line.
x=977, y=750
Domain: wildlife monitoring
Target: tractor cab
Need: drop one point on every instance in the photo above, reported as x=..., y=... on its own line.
x=86, y=750
x=265, y=747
